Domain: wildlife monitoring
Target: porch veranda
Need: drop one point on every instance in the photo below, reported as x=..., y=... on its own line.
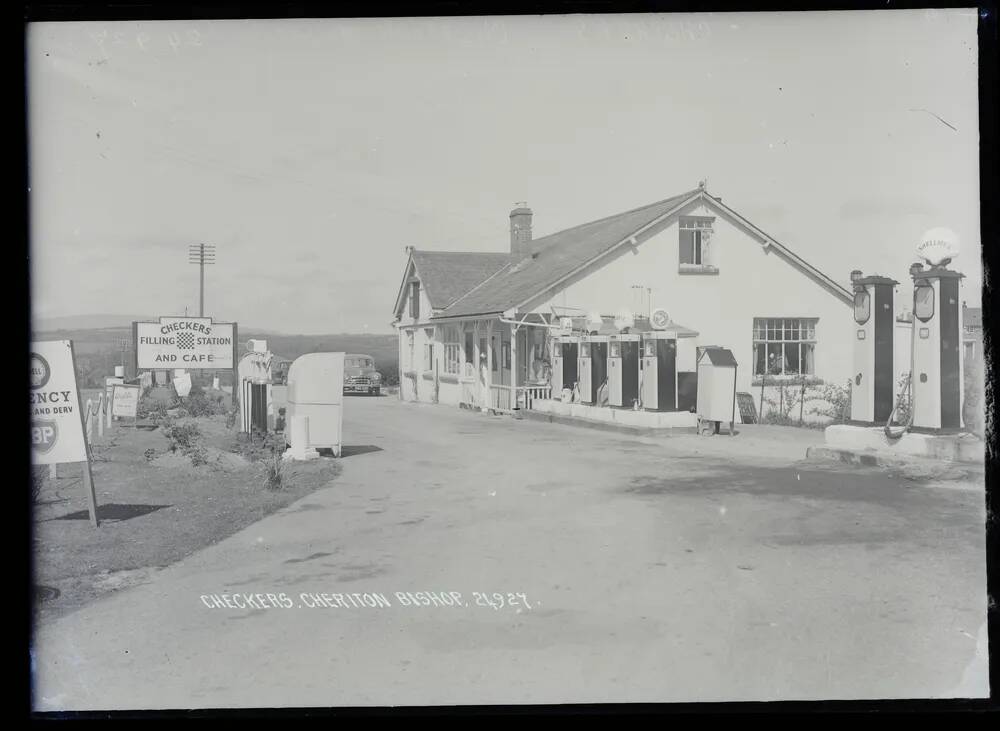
x=513, y=358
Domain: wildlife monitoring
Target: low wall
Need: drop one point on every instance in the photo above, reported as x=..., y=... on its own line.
x=952, y=447
x=622, y=417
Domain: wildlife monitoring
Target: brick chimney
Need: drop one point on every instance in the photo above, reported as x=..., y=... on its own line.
x=520, y=230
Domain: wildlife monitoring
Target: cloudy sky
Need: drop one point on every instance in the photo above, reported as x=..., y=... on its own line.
x=312, y=152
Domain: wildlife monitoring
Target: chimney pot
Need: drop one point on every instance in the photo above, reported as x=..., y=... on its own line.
x=520, y=230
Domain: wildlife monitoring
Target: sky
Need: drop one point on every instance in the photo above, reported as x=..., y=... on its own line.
x=312, y=152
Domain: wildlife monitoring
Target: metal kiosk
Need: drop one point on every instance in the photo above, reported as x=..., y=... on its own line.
x=717, y=388
x=623, y=370
x=593, y=357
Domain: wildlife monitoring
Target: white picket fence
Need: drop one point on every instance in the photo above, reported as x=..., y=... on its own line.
x=97, y=412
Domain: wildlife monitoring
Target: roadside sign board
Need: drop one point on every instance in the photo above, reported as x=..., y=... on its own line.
x=56, y=423
x=125, y=401
x=185, y=342
x=109, y=384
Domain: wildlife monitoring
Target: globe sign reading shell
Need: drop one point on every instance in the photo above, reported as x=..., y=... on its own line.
x=938, y=246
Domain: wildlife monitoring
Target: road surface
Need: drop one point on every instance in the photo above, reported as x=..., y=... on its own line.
x=642, y=570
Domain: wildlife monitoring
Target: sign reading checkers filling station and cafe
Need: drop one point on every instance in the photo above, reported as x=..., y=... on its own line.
x=185, y=342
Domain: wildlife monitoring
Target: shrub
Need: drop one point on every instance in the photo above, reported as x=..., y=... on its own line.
x=198, y=403
x=149, y=454
x=836, y=402
x=182, y=438
x=152, y=409
x=903, y=400
x=259, y=446
x=273, y=470
x=198, y=456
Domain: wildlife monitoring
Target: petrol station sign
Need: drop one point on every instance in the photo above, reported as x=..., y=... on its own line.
x=56, y=424
x=184, y=342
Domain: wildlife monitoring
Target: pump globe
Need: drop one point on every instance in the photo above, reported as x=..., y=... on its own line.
x=938, y=246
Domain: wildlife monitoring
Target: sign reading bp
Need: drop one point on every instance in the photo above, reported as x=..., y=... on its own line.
x=56, y=426
x=184, y=342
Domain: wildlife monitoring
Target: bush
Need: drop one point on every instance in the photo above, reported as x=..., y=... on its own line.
x=152, y=409
x=273, y=472
x=837, y=402
x=198, y=403
x=261, y=446
x=903, y=400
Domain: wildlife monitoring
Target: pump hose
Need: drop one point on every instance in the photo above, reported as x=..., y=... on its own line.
x=889, y=433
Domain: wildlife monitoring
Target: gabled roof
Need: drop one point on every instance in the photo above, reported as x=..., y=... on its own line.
x=465, y=284
x=719, y=356
x=972, y=317
x=447, y=275
x=558, y=255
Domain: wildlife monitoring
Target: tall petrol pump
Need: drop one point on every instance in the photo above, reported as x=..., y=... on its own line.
x=659, y=370
x=937, y=380
x=564, y=363
x=593, y=359
x=872, y=386
x=623, y=370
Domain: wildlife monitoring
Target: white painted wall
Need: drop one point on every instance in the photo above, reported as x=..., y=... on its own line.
x=750, y=283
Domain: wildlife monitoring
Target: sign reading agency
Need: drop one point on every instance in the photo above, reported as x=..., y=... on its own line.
x=184, y=342
x=56, y=426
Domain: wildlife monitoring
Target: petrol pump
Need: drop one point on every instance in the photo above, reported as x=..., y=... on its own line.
x=593, y=359
x=564, y=363
x=872, y=387
x=937, y=379
x=659, y=370
x=623, y=370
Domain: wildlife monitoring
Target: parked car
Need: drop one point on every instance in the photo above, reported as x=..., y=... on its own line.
x=360, y=375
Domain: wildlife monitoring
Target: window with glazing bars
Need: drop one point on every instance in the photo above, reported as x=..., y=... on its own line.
x=784, y=346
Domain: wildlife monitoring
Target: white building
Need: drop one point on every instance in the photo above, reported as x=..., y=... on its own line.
x=709, y=267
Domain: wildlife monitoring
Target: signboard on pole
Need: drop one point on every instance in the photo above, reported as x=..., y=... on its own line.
x=125, y=401
x=56, y=418
x=185, y=342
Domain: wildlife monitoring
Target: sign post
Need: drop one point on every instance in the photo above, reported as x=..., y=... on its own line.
x=125, y=402
x=58, y=420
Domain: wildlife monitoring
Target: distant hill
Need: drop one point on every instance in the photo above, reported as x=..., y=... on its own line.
x=85, y=322
x=98, y=348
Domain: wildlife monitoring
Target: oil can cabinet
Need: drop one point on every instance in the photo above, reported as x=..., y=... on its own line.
x=717, y=388
x=316, y=392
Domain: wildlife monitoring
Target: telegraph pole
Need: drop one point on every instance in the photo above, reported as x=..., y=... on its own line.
x=201, y=254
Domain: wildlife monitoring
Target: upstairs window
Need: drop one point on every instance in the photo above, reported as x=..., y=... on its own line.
x=415, y=300
x=695, y=244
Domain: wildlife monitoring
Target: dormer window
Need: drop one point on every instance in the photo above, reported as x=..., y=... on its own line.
x=695, y=245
